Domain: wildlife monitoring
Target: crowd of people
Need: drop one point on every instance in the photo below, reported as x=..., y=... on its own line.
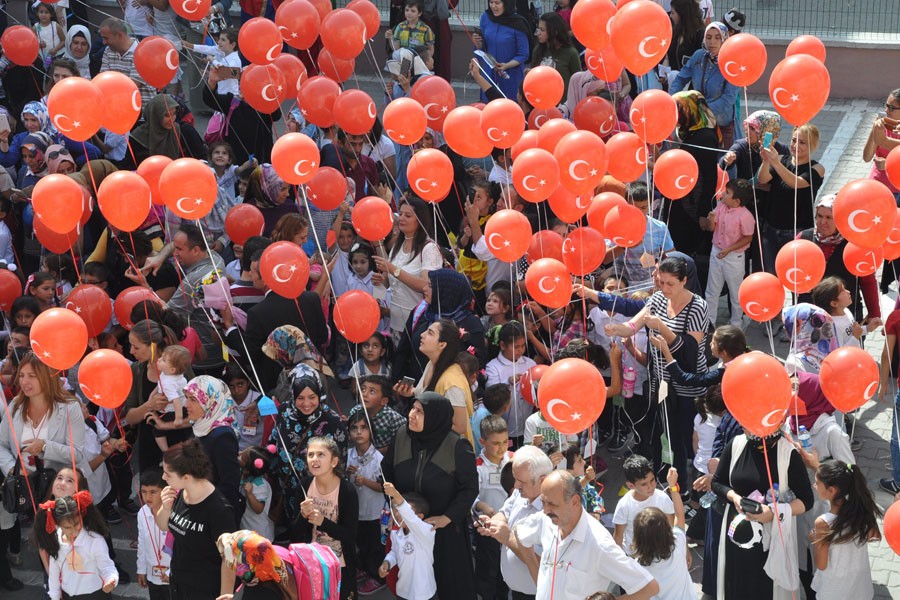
x=423, y=454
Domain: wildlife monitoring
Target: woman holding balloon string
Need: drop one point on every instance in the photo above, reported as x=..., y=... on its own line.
x=505, y=35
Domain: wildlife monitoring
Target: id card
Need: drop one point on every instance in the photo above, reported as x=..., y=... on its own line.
x=494, y=478
x=159, y=571
x=248, y=430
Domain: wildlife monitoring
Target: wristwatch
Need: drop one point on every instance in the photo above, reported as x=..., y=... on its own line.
x=396, y=273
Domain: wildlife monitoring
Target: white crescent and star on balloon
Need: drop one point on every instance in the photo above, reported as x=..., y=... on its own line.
x=780, y=103
x=551, y=411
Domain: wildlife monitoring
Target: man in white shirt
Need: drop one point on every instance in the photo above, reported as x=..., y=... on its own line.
x=578, y=555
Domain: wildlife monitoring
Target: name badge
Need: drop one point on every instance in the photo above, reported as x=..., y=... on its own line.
x=159, y=571
x=247, y=430
x=494, y=478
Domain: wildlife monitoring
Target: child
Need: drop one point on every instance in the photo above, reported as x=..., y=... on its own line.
x=374, y=359
x=564, y=9
x=496, y=402
x=497, y=309
x=330, y=512
x=246, y=415
x=412, y=546
x=42, y=287
x=221, y=160
x=491, y=496
x=479, y=205
x=152, y=562
x=62, y=267
x=662, y=549
x=79, y=559
x=728, y=342
x=508, y=368
x=223, y=54
x=362, y=266
x=364, y=469
x=50, y=34
x=832, y=295
x=732, y=226
x=412, y=32
x=501, y=173
x=172, y=365
x=376, y=391
x=539, y=433
x=642, y=493
x=98, y=446
x=710, y=410
x=576, y=464
x=841, y=535
x=255, y=462
x=6, y=250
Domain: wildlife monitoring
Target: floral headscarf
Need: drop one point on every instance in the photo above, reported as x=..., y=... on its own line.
x=289, y=346
x=38, y=143
x=763, y=122
x=693, y=112
x=254, y=557
x=215, y=399
x=40, y=112
x=271, y=184
x=835, y=238
x=812, y=336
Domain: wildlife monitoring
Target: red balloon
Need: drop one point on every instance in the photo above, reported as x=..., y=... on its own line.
x=121, y=101
x=528, y=140
x=552, y=131
x=543, y=87
x=405, y=122
x=128, y=299
x=91, y=303
x=151, y=169
x=263, y=87
x=188, y=187
x=294, y=72
x=604, y=64
x=332, y=67
x=892, y=166
x=892, y=244
x=323, y=7
x=285, y=269
x=10, y=289
x=156, y=61
x=539, y=116
x=356, y=315
x=892, y=526
x=641, y=34
x=849, y=378
x=295, y=157
x=343, y=33
x=800, y=265
x=757, y=391
x=549, y=283
x=535, y=174
x=529, y=382
x=260, y=40
x=864, y=212
x=761, y=296
x=503, y=122
x=437, y=97
x=76, y=108
x=799, y=87
x=20, y=45
x=298, y=22
x=316, y=100
x=355, y=112
x=627, y=156
x=653, y=116
x=862, y=261
x=583, y=251
x=625, y=225
x=430, y=174
x=370, y=15
x=675, y=174
x=58, y=243
x=596, y=115
x=591, y=20
x=809, y=45
x=58, y=338
x=327, y=188
x=57, y=202
x=600, y=206
x=722, y=180
x=105, y=378
x=508, y=234
x=372, y=218
x=242, y=222
x=572, y=394
x=545, y=243
x=582, y=161
x=742, y=59
x=568, y=206
x=191, y=10
x=462, y=132
x=124, y=199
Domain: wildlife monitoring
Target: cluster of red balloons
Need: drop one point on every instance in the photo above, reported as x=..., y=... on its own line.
x=78, y=107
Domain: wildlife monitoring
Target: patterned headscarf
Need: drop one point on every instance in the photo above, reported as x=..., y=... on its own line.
x=812, y=336
x=271, y=184
x=763, y=122
x=715, y=25
x=39, y=111
x=215, y=399
x=693, y=112
x=254, y=557
x=289, y=346
x=38, y=143
x=303, y=376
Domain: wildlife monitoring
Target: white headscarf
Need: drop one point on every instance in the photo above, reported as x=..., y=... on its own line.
x=84, y=64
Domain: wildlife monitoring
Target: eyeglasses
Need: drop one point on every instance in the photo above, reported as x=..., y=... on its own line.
x=890, y=108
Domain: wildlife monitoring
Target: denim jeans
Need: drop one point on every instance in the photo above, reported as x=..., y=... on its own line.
x=772, y=241
x=895, y=443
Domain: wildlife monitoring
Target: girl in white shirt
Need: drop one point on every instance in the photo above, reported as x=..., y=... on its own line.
x=258, y=491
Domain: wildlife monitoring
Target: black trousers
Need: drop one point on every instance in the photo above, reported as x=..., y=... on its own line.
x=98, y=595
x=488, y=580
x=371, y=550
x=5, y=535
x=158, y=592
x=521, y=596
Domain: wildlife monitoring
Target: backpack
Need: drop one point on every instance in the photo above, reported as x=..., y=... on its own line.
x=317, y=571
x=219, y=124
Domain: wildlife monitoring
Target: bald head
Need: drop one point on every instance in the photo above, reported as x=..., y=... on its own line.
x=561, y=496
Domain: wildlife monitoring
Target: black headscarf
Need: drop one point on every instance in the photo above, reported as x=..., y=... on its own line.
x=438, y=421
x=511, y=18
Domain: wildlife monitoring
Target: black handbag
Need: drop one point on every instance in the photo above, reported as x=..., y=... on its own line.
x=14, y=493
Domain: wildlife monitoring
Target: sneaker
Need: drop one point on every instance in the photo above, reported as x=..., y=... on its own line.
x=620, y=440
x=890, y=486
x=113, y=517
x=14, y=558
x=129, y=507
x=369, y=587
x=603, y=437
x=856, y=445
x=13, y=585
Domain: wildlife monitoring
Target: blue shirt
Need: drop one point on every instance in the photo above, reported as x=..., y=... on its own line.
x=656, y=240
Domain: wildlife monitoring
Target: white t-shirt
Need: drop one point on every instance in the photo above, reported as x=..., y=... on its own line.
x=628, y=508
x=403, y=298
x=259, y=522
x=672, y=575
x=843, y=328
x=369, y=465
x=554, y=441
x=172, y=387
x=706, y=435
x=250, y=434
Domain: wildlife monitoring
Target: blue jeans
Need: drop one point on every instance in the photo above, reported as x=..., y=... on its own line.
x=772, y=241
x=895, y=443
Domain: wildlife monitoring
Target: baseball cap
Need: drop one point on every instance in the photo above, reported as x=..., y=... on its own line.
x=735, y=19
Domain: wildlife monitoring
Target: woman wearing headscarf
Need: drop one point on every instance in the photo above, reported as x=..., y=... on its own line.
x=36, y=118
x=702, y=72
x=77, y=49
x=505, y=35
x=812, y=334
x=429, y=458
x=743, y=160
x=163, y=134
x=270, y=194
x=59, y=160
x=300, y=419
x=289, y=346
x=34, y=160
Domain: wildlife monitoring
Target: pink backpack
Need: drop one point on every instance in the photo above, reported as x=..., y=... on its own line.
x=317, y=571
x=220, y=123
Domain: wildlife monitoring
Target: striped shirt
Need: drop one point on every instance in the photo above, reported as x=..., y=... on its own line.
x=124, y=63
x=693, y=317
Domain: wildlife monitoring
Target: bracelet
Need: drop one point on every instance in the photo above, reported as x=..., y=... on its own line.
x=675, y=489
x=633, y=328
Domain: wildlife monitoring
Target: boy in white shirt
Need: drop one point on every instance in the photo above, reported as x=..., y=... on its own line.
x=491, y=496
x=152, y=562
x=412, y=547
x=223, y=54
x=364, y=470
x=640, y=479
x=508, y=368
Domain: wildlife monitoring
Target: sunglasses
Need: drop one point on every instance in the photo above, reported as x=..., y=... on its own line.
x=57, y=153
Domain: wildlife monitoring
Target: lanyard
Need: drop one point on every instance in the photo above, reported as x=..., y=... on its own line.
x=156, y=544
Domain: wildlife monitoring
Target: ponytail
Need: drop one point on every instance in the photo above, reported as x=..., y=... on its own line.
x=857, y=513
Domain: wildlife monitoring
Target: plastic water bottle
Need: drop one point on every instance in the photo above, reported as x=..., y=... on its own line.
x=782, y=496
x=629, y=376
x=805, y=439
x=707, y=499
x=772, y=494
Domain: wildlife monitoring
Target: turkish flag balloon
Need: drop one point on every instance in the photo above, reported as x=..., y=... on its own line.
x=761, y=296
x=58, y=338
x=552, y=131
x=462, y=132
x=809, y=45
x=627, y=156
x=128, y=299
x=864, y=212
x=298, y=21
x=91, y=303
x=189, y=188
x=600, y=206
x=653, y=116
x=529, y=382
x=105, y=378
x=20, y=45
x=355, y=112
x=430, y=174
x=151, y=169
x=405, y=122
x=892, y=527
x=539, y=116
x=322, y=6
x=370, y=15
x=799, y=87
x=508, y=234
x=316, y=100
x=327, y=188
x=372, y=218
x=849, y=378
x=191, y=10
x=543, y=87
x=568, y=206
x=334, y=68
x=860, y=261
x=892, y=244
x=604, y=64
x=545, y=243
x=641, y=34
x=596, y=115
x=10, y=289
x=591, y=22
x=156, y=61
x=356, y=315
x=535, y=174
x=285, y=269
x=625, y=225
x=528, y=140
x=437, y=97
x=742, y=59
x=757, y=393
x=582, y=161
x=800, y=265
x=124, y=199
x=58, y=243
x=675, y=173
x=242, y=222
x=294, y=72
x=892, y=166
x=549, y=283
x=295, y=157
x=56, y=200
x=76, y=108
x=121, y=101
x=260, y=40
x=583, y=251
x=343, y=33
x=572, y=395
x=263, y=87
x=503, y=122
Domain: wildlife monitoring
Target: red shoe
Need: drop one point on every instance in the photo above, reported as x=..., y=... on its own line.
x=370, y=586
